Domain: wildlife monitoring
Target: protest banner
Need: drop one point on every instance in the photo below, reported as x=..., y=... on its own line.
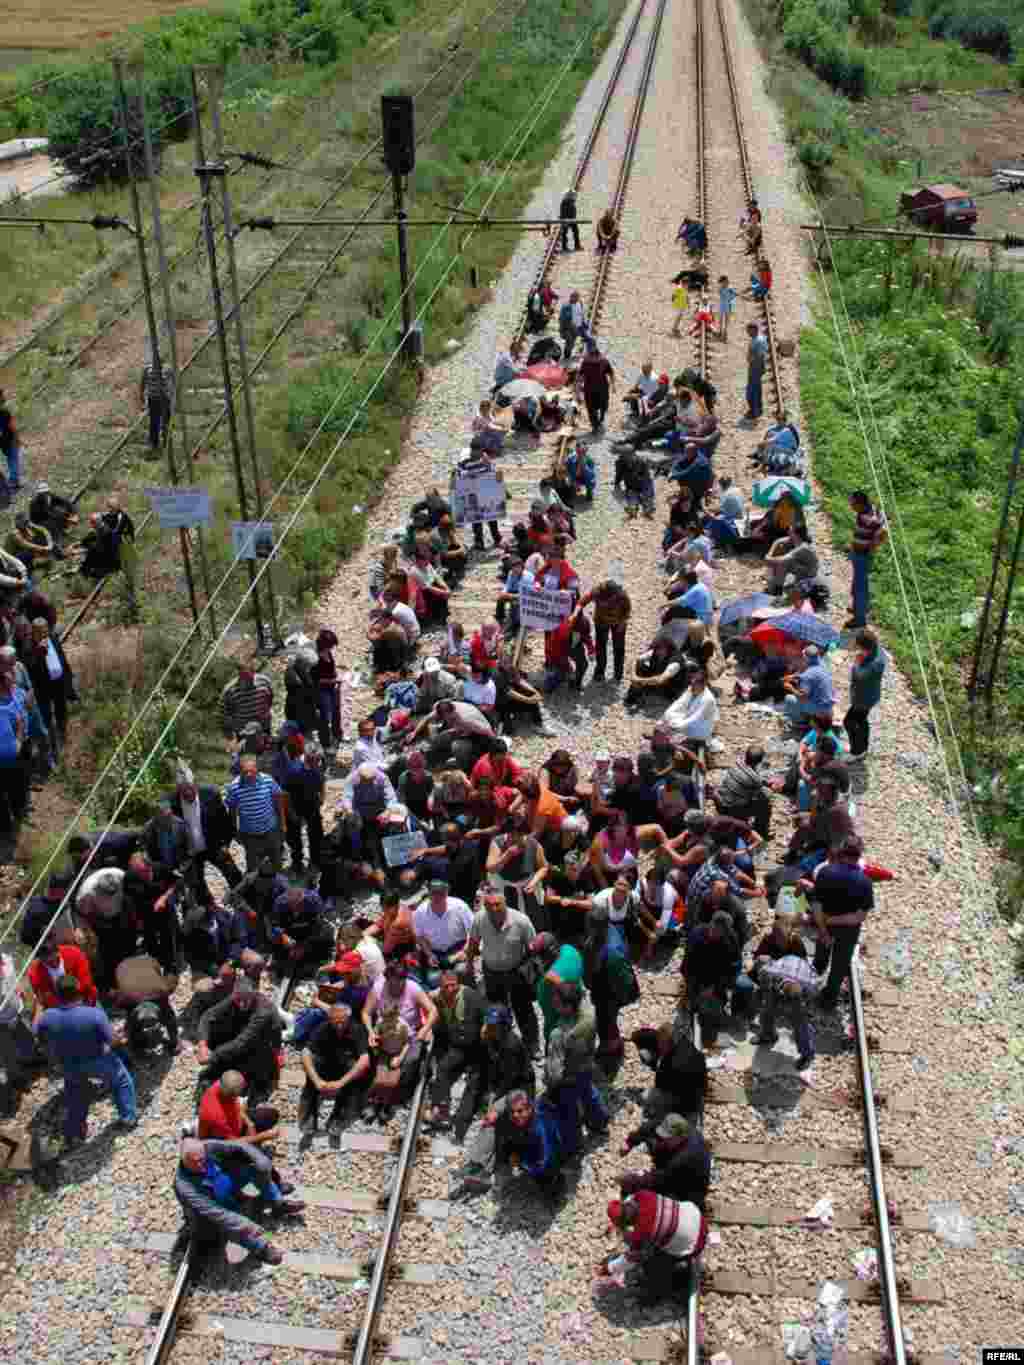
x=180, y=507
x=478, y=495
x=252, y=539
x=399, y=848
x=543, y=609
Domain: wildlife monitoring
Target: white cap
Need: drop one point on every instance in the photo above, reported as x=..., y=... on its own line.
x=602, y=756
x=432, y=665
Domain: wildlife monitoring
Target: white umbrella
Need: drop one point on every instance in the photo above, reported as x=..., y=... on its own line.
x=521, y=388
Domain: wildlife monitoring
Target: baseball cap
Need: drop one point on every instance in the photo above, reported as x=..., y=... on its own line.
x=349, y=962
x=432, y=665
x=602, y=756
x=439, y=884
x=499, y=1016
x=673, y=1126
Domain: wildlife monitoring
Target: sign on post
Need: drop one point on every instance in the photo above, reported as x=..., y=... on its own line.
x=252, y=539
x=543, y=609
x=477, y=496
x=399, y=848
x=176, y=508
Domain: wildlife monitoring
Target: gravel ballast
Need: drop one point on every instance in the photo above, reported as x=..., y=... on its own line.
x=518, y=1283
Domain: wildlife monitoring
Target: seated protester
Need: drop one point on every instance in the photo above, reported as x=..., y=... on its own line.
x=451, y=798
x=224, y=1116
x=393, y=633
x=522, y=1133
x=458, y=731
x=566, y=650
x=343, y=982
x=507, y=366
x=365, y=797
x=691, y=719
x=659, y=670
x=251, y=903
x=148, y=891
x=489, y=434
x=434, y=591
x=393, y=929
x=778, y=521
x=560, y=776
x=509, y=1065
x=209, y=1181
x=720, y=884
x=657, y=899
x=433, y=505
x=682, y=1162
x=724, y=525
x=41, y=910
x=568, y=894
x=761, y=282
x=792, y=554
x=783, y=939
x=455, y=652
x=744, y=794
x=300, y=932
x=517, y=859
x=453, y=557
x=383, y=569
x=646, y=792
x=55, y=514
x=207, y=938
x=607, y=232
x=415, y=786
x=660, y=420
x=56, y=960
x=693, y=235
x=506, y=611
x=526, y=416
x=809, y=692
x=661, y=1234
x=479, y=690
x=580, y=473
x=677, y=796
x=634, y=474
x=692, y=469
x=691, y=598
x=788, y=985
x=767, y=682
x=827, y=824
x=645, y=391
x=32, y=544
x=396, y=999
x=441, y=924
x=336, y=1060
x=488, y=810
x=102, y=549
x=680, y=1072
x=459, y=1050
x=242, y=1033
x=780, y=436
x=713, y=971
x=369, y=745
x=355, y=937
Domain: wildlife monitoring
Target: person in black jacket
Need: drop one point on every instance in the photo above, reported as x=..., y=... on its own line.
x=508, y=1062
x=302, y=692
x=148, y=892
x=460, y=1050
x=567, y=213
x=713, y=968
x=165, y=838
x=680, y=1072
x=206, y=938
x=207, y=1184
x=209, y=829
x=336, y=1060
x=242, y=1033
x=52, y=681
x=682, y=1163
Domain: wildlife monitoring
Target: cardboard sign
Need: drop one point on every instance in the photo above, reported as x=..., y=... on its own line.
x=398, y=848
x=180, y=507
x=252, y=539
x=542, y=609
x=478, y=495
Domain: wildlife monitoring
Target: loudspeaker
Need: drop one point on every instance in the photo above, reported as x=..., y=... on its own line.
x=399, y=138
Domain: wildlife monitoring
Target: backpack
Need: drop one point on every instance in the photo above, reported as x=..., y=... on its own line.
x=145, y=1029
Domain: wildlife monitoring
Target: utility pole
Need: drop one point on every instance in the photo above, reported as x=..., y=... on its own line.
x=154, y=337
x=207, y=174
x=396, y=113
x=214, y=89
x=179, y=417
x=1011, y=579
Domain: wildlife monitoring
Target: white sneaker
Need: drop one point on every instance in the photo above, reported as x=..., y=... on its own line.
x=189, y=1129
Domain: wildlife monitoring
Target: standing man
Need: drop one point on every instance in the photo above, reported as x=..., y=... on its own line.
x=841, y=895
x=595, y=381
x=52, y=683
x=14, y=760
x=567, y=213
x=80, y=1038
x=209, y=828
x=260, y=808
x=869, y=532
x=248, y=698
x=569, y=1068
x=612, y=609
x=866, y=674
x=9, y=435
x=563, y=966
x=155, y=397
x=502, y=937
x=460, y=1050
x=572, y=322
x=757, y=358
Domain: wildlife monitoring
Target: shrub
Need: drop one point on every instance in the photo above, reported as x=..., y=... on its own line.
x=84, y=130
x=814, y=155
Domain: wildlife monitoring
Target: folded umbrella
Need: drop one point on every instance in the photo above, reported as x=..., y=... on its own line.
x=546, y=372
x=768, y=491
x=521, y=388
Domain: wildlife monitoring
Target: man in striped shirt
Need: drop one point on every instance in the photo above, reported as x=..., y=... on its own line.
x=249, y=698
x=260, y=809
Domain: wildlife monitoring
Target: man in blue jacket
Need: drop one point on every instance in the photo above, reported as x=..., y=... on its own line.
x=80, y=1038
x=208, y=1182
x=523, y=1133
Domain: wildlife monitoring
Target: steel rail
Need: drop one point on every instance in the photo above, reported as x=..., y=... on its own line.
x=582, y=165
x=626, y=164
x=701, y=167
x=164, y=1339
x=365, y=1345
x=748, y=183
x=890, y=1289
x=262, y=277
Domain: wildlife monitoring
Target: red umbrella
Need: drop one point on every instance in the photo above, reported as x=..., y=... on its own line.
x=549, y=374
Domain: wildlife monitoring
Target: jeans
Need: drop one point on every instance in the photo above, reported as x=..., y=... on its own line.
x=13, y=457
x=508, y=988
x=857, y=725
x=796, y=1008
x=721, y=530
x=578, y=1093
x=78, y=1091
x=755, y=401
x=329, y=707
x=795, y=710
x=860, y=562
x=618, y=634
x=840, y=951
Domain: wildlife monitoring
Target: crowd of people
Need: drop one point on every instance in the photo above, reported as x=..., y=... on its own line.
x=516, y=902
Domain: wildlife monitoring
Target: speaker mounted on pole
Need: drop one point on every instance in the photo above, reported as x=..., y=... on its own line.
x=396, y=116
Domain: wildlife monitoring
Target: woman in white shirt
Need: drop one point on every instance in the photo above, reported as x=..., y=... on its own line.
x=694, y=715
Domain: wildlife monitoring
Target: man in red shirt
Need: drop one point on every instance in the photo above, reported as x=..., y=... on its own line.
x=222, y=1114
x=54, y=961
x=502, y=770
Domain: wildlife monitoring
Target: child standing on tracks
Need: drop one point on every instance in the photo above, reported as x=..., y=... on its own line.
x=726, y=304
x=680, y=304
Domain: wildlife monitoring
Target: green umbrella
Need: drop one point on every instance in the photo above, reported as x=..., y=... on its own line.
x=767, y=492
